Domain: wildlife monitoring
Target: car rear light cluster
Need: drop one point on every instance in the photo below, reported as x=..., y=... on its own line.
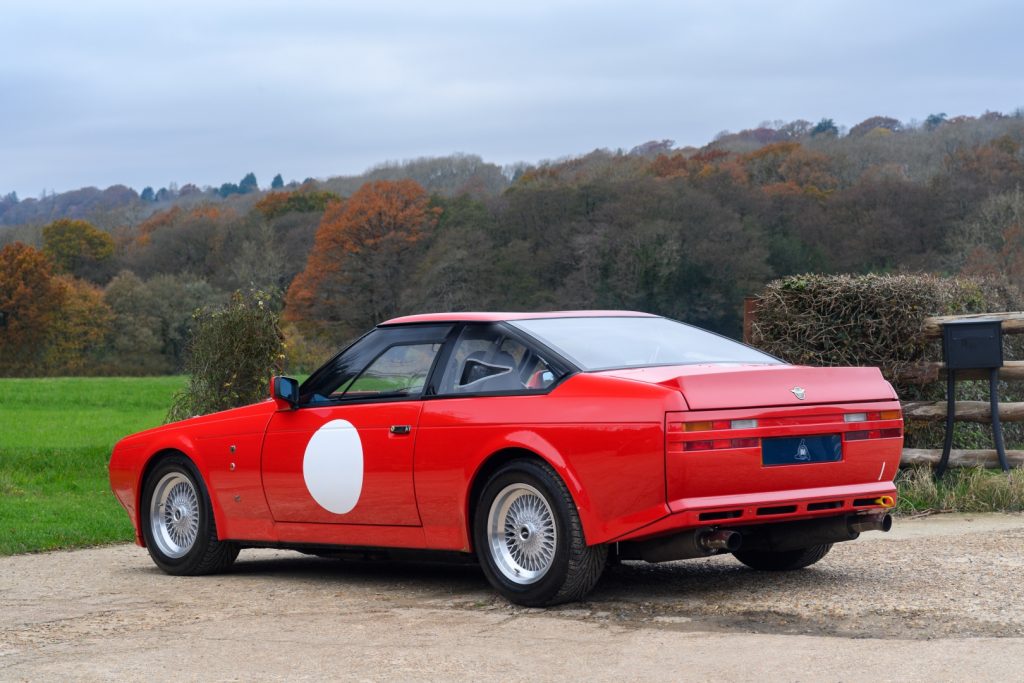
x=710, y=444
x=860, y=435
x=874, y=434
x=871, y=417
x=693, y=429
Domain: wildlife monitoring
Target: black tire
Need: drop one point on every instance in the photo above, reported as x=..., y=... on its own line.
x=205, y=554
x=573, y=568
x=786, y=560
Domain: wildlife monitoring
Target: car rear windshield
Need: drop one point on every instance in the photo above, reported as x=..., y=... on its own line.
x=603, y=343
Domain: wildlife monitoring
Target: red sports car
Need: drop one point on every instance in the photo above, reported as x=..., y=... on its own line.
x=543, y=443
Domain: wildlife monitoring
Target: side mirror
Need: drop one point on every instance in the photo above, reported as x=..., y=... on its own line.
x=285, y=392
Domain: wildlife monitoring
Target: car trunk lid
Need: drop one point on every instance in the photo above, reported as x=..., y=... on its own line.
x=721, y=386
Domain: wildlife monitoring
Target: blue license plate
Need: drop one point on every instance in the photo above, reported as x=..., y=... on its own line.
x=797, y=450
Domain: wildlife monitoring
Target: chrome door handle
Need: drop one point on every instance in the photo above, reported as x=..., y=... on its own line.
x=400, y=429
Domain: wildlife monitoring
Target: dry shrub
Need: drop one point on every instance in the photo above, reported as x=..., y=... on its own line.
x=232, y=353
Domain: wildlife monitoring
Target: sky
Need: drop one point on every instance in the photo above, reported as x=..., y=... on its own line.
x=142, y=93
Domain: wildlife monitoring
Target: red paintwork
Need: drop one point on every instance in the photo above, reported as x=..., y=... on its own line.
x=615, y=438
x=388, y=497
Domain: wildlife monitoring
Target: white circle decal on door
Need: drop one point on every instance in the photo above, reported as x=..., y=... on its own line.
x=332, y=466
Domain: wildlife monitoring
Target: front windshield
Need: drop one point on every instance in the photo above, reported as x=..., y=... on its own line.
x=603, y=343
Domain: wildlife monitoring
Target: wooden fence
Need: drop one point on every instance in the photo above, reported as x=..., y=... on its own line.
x=966, y=411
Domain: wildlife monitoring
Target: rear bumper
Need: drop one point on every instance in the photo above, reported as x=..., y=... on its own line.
x=768, y=507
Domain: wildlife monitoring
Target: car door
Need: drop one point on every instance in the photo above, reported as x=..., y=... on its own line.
x=493, y=383
x=345, y=455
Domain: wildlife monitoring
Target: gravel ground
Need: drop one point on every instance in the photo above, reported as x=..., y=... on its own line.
x=938, y=598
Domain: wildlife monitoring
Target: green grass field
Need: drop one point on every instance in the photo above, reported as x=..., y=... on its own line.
x=55, y=442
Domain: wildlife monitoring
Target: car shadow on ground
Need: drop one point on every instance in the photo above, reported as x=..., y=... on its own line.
x=711, y=594
x=719, y=578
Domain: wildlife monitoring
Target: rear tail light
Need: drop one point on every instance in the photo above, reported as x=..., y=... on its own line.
x=874, y=434
x=871, y=417
x=720, y=443
x=717, y=425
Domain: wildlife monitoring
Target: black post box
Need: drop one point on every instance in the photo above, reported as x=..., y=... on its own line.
x=972, y=345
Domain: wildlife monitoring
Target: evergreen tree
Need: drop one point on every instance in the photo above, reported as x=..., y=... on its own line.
x=825, y=127
x=248, y=184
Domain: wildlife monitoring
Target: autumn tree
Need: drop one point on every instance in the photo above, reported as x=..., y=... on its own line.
x=874, y=123
x=79, y=331
x=137, y=336
x=362, y=257
x=275, y=204
x=30, y=299
x=152, y=320
x=78, y=248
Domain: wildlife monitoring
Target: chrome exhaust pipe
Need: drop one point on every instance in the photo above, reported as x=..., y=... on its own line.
x=720, y=540
x=682, y=546
x=878, y=521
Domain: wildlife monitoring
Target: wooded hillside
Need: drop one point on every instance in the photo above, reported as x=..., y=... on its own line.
x=683, y=232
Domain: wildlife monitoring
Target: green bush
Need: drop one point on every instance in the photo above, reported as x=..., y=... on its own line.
x=233, y=351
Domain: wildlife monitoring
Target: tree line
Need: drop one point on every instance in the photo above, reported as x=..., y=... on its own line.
x=682, y=232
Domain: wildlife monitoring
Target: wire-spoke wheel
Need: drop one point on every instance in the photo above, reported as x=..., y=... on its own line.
x=177, y=521
x=529, y=537
x=522, y=535
x=174, y=514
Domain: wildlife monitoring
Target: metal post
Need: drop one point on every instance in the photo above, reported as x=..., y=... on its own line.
x=997, y=427
x=947, y=445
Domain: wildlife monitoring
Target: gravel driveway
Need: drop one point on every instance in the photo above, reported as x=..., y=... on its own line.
x=938, y=598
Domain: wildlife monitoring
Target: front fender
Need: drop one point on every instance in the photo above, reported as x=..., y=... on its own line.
x=164, y=444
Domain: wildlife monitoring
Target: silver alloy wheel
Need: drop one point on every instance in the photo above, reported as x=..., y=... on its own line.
x=521, y=533
x=174, y=514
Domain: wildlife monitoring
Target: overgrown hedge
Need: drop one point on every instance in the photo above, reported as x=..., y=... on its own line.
x=866, y=319
x=875, y=320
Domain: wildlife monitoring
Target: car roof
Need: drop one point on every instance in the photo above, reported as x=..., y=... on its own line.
x=483, y=316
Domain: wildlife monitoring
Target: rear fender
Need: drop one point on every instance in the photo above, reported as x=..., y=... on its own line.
x=507, y=448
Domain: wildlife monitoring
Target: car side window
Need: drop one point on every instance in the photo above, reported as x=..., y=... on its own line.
x=399, y=371
x=486, y=359
x=388, y=362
